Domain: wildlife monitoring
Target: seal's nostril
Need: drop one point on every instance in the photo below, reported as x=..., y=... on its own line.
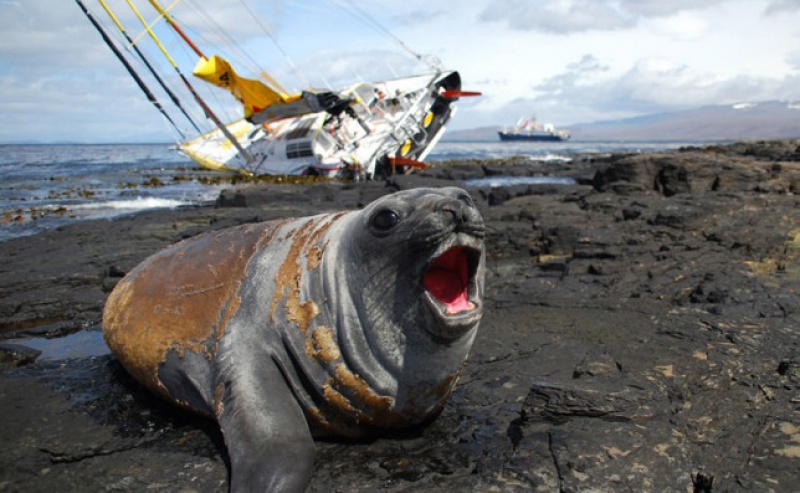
x=456, y=208
x=466, y=199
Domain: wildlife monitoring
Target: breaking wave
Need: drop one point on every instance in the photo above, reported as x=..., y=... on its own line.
x=128, y=205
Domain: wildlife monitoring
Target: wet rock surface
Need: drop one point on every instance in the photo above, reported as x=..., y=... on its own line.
x=642, y=333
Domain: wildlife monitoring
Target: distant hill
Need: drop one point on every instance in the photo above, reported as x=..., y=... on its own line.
x=765, y=120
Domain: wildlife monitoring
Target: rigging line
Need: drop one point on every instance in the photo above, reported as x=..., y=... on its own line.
x=175, y=26
x=223, y=108
x=147, y=26
x=235, y=48
x=152, y=70
x=152, y=34
x=242, y=55
x=127, y=65
x=297, y=72
x=209, y=113
x=212, y=26
x=357, y=10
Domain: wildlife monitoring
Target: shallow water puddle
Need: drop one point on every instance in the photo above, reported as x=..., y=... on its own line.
x=81, y=344
x=506, y=181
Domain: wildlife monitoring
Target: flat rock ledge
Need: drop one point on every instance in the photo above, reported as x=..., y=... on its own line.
x=642, y=333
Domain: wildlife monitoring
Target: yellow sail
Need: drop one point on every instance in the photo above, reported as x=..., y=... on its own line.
x=253, y=94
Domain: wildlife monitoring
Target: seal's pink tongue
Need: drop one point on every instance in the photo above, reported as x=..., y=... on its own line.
x=446, y=280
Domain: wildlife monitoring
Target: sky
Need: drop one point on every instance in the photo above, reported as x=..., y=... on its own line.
x=565, y=61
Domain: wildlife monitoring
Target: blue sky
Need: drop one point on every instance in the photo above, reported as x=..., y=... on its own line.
x=567, y=61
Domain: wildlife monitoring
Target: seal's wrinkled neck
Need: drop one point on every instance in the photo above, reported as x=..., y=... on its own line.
x=415, y=276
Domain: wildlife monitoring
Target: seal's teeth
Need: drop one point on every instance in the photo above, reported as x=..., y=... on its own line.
x=470, y=306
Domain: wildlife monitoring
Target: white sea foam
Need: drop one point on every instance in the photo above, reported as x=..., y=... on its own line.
x=137, y=204
x=551, y=158
x=113, y=208
x=38, y=219
x=52, y=185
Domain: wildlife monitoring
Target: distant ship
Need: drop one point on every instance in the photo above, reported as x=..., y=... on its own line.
x=532, y=130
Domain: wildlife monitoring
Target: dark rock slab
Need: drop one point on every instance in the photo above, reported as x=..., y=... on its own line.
x=641, y=334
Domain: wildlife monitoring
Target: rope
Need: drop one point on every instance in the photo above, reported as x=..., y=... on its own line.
x=278, y=46
x=357, y=11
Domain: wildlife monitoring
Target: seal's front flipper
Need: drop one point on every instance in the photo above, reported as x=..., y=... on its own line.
x=266, y=433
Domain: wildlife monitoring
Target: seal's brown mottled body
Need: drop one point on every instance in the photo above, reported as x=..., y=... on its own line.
x=339, y=324
x=193, y=304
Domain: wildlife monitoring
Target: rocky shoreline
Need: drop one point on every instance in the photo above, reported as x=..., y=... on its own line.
x=642, y=333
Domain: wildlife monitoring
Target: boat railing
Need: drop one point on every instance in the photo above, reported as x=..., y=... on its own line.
x=416, y=133
x=421, y=137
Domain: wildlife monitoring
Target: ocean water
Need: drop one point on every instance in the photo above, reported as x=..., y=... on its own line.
x=543, y=151
x=45, y=186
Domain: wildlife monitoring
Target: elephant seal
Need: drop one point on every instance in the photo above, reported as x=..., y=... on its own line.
x=341, y=324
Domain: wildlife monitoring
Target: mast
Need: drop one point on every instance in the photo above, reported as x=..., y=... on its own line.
x=166, y=88
x=128, y=66
x=176, y=27
x=209, y=113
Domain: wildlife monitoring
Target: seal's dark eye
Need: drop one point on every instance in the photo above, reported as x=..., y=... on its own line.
x=385, y=220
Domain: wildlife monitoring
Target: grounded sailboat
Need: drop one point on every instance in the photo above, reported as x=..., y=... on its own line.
x=365, y=130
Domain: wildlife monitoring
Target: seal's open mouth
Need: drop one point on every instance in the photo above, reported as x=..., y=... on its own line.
x=450, y=279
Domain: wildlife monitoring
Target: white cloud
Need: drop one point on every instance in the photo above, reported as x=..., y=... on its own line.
x=589, y=91
x=575, y=75
x=416, y=16
x=337, y=69
x=683, y=26
x=559, y=17
x=58, y=81
x=571, y=16
x=793, y=59
x=660, y=8
x=778, y=6
x=787, y=89
x=653, y=85
x=57, y=109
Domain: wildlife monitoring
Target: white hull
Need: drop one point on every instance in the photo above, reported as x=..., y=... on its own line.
x=402, y=117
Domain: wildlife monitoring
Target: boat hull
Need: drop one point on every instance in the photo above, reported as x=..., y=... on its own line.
x=539, y=137
x=398, y=118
